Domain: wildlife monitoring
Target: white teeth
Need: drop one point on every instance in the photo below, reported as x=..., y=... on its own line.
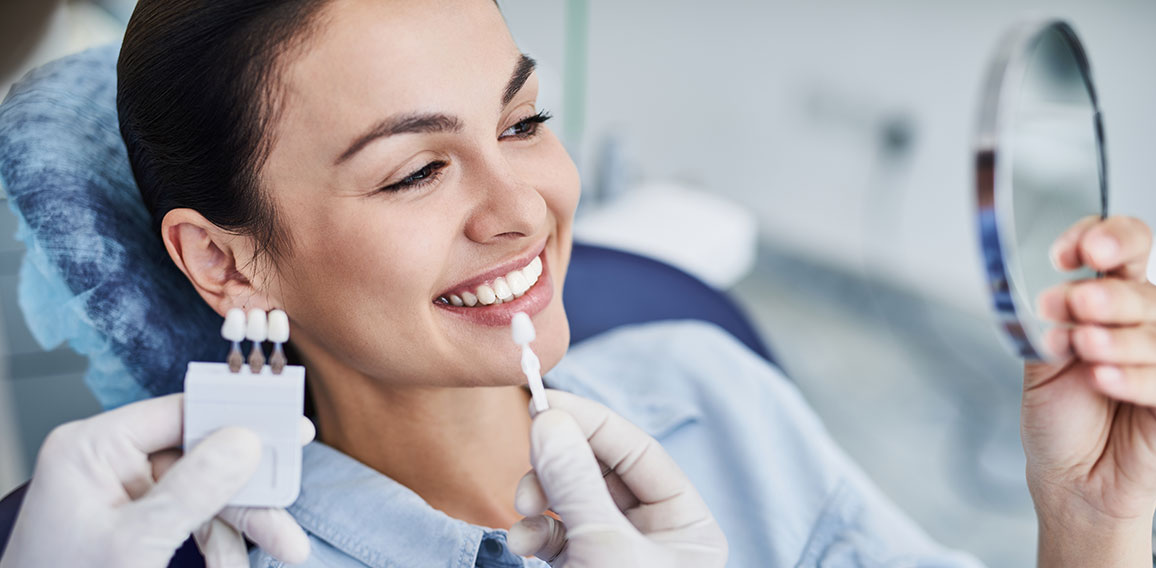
x=502, y=289
x=486, y=295
x=515, y=284
x=518, y=283
x=533, y=270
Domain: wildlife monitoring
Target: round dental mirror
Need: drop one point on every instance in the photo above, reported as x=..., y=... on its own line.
x=1040, y=169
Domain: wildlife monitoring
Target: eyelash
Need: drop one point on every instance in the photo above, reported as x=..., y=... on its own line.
x=432, y=171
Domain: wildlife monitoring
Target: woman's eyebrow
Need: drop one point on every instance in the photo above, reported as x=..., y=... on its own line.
x=434, y=122
x=522, y=72
x=403, y=124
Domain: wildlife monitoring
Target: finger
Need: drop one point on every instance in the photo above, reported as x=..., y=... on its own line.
x=1111, y=301
x=539, y=536
x=1132, y=345
x=123, y=439
x=1118, y=246
x=307, y=431
x=274, y=530
x=1065, y=253
x=1058, y=342
x=568, y=473
x=150, y=425
x=199, y=485
x=530, y=500
x=1135, y=384
x=641, y=463
x=221, y=545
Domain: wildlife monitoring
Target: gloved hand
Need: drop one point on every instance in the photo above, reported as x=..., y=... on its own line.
x=93, y=500
x=642, y=513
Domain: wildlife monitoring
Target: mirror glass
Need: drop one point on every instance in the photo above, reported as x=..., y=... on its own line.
x=1039, y=170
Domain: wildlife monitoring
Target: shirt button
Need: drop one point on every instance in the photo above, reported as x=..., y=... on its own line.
x=492, y=547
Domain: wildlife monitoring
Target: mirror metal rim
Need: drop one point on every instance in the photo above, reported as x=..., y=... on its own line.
x=997, y=104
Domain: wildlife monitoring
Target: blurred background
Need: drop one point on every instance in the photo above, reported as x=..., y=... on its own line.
x=812, y=158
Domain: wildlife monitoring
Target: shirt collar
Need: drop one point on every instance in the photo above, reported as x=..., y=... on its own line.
x=375, y=519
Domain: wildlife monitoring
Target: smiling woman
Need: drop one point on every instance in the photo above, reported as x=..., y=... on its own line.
x=379, y=169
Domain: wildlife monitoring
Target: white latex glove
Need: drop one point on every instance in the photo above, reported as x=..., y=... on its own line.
x=642, y=513
x=93, y=500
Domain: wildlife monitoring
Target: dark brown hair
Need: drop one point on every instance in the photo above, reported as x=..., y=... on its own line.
x=198, y=88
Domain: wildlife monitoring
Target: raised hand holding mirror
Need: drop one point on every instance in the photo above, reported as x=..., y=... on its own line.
x=1040, y=170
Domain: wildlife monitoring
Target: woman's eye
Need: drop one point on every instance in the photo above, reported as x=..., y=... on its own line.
x=527, y=128
x=427, y=174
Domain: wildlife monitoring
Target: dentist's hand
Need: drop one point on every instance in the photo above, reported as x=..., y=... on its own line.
x=93, y=500
x=643, y=513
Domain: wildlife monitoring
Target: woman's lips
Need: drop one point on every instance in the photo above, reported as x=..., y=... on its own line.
x=490, y=277
x=534, y=300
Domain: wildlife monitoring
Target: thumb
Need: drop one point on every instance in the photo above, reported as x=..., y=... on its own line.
x=198, y=485
x=569, y=474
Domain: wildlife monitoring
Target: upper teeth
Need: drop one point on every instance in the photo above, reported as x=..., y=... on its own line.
x=502, y=289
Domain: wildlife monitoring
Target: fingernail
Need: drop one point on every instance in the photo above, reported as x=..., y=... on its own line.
x=1054, y=256
x=1093, y=297
x=1097, y=337
x=1103, y=248
x=1109, y=375
x=1050, y=305
x=1057, y=342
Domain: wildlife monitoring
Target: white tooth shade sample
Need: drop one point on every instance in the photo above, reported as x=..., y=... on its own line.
x=278, y=326
x=257, y=329
x=234, y=327
x=522, y=329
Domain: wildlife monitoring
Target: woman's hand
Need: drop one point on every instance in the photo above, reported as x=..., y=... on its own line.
x=1089, y=422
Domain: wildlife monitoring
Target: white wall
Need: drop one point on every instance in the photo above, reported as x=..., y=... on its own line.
x=724, y=95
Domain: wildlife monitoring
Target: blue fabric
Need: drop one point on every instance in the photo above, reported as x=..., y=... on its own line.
x=95, y=275
x=782, y=491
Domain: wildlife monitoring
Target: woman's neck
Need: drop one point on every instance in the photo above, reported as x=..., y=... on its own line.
x=463, y=450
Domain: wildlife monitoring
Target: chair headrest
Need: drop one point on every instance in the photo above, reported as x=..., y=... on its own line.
x=95, y=274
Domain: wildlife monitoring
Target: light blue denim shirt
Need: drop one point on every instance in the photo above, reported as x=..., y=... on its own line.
x=782, y=491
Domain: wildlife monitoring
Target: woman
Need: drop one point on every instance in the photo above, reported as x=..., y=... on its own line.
x=369, y=166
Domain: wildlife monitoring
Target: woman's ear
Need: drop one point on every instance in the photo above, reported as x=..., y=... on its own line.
x=210, y=258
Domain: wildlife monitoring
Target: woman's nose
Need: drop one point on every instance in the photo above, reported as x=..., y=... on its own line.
x=504, y=205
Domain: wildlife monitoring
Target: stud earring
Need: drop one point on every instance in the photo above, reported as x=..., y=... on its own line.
x=256, y=332
x=234, y=330
x=278, y=334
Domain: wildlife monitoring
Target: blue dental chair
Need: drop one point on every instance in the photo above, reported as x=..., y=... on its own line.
x=94, y=274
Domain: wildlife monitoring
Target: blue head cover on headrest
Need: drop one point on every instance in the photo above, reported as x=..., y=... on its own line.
x=95, y=274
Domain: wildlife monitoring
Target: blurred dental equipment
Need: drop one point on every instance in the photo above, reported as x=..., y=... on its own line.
x=707, y=235
x=522, y=329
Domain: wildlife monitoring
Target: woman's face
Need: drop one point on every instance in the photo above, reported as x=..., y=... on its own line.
x=408, y=171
